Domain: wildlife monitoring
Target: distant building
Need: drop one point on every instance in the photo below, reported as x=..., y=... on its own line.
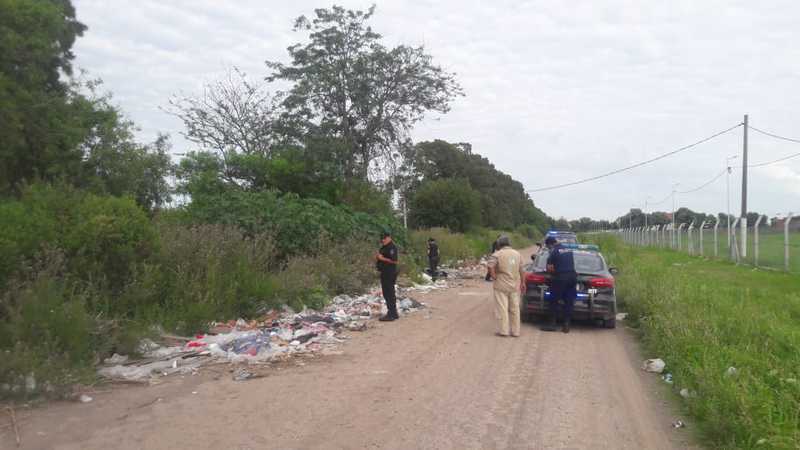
x=778, y=224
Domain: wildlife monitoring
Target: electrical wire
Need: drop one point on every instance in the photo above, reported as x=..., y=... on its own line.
x=716, y=177
x=624, y=169
x=660, y=201
x=795, y=155
x=773, y=134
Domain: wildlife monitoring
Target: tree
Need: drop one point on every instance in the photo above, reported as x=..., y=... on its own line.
x=347, y=84
x=40, y=124
x=448, y=203
x=504, y=203
x=232, y=117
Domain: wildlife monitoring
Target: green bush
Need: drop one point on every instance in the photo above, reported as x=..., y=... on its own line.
x=38, y=217
x=46, y=331
x=203, y=273
x=299, y=225
x=109, y=237
x=338, y=268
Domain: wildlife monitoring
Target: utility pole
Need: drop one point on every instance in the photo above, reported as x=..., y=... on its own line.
x=728, y=194
x=744, y=191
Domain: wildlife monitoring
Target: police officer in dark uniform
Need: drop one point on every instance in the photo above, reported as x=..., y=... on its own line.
x=386, y=261
x=433, y=258
x=563, y=283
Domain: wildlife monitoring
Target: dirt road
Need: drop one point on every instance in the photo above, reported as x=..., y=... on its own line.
x=439, y=378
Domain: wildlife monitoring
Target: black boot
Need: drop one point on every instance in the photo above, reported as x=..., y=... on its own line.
x=565, y=328
x=551, y=324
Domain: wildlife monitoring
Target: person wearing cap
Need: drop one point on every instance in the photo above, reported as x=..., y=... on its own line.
x=433, y=258
x=505, y=267
x=386, y=260
x=563, y=282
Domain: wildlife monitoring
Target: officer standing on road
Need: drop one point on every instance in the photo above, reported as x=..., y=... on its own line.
x=433, y=258
x=386, y=260
x=561, y=265
x=505, y=266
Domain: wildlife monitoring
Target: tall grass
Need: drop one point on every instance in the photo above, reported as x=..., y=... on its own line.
x=455, y=247
x=702, y=317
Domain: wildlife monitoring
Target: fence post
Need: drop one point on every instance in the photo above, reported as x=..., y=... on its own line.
x=786, y=241
x=702, y=226
x=689, y=241
x=734, y=242
x=755, y=240
x=680, y=238
x=716, y=246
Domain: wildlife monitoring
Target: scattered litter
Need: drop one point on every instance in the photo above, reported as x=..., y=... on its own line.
x=357, y=326
x=678, y=424
x=194, y=392
x=85, y=398
x=667, y=377
x=761, y=441
x=242, y=374
x=732, y=371
x=654, y=365
x=686, y=393
x=275, y=334
x=116, y=359
x=622, y=316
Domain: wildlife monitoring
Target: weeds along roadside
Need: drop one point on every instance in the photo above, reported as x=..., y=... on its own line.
x=84, y=276
x=702, y=317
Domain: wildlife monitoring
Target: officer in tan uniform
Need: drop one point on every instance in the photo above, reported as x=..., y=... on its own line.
x=505, y=267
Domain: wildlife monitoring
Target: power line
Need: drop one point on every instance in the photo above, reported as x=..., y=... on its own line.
x=661, y=201
x=795, y=155
x=773, y=135
x=716, y=177
x=614, y=172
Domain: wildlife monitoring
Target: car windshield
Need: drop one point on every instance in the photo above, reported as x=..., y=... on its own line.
x=585, y=262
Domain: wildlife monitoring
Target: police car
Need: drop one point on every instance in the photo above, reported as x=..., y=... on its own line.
x=563, y=237
x=596, y=294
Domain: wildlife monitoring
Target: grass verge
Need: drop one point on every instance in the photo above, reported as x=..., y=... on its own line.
x=702, y=317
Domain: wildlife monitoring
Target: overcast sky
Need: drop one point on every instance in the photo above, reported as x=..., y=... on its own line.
x=555, y=91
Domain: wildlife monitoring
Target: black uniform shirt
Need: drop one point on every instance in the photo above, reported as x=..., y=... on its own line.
x=433, y=250
x=563, y=260
x=388, y=251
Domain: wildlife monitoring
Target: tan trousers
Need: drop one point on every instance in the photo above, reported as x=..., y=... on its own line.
x=506, y=308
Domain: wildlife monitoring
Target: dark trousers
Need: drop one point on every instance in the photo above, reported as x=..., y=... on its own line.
x=388, y=279
x=564, y=292
x=433, y=265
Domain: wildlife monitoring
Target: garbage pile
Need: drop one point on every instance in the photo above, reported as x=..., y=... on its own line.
x=276, y=335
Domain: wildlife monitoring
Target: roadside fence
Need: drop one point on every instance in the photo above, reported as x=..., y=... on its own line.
x=772, y=246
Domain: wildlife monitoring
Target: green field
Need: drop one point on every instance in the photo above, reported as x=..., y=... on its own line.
x=703, y=317
x=771, y=253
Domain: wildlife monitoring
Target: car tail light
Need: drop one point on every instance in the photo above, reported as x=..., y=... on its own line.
x=601, y=282
x=535, y=278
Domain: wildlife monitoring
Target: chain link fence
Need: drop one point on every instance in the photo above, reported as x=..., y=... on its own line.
x=762, y=244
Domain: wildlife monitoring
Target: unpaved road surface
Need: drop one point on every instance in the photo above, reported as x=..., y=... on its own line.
x=437, y=379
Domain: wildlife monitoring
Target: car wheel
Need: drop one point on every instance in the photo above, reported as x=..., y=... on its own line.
x=610, y=323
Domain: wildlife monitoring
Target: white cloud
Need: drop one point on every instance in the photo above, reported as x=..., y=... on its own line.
x=554, y=92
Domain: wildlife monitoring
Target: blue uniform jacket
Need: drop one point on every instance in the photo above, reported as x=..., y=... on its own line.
x=563, y=261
